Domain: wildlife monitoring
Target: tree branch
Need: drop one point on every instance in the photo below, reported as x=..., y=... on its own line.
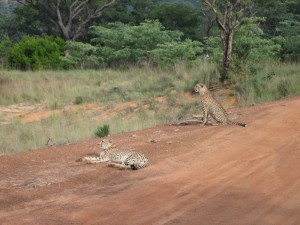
x=210, y=5
x=98, y=12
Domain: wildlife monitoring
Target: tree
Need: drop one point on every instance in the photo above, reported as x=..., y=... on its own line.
x=124, y=44
x=119, y=45
x=179, y=16
x=70, y=18
x=282, y=22
x=5, y=48
x=133, y=12
x=229, y=15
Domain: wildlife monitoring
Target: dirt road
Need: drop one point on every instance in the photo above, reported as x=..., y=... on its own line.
x=197, y=175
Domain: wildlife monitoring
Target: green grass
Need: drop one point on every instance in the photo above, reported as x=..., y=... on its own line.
x=268, y=82
x=55, y=89
x=62, y=129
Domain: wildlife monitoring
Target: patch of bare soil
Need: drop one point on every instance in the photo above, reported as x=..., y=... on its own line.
x=197, y=175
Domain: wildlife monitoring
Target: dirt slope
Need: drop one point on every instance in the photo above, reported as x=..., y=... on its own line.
x=198, y=175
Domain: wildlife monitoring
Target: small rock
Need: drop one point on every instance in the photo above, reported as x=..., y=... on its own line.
x=151, y=141
x=169, y=142
x=134, y=135
x=176, y=130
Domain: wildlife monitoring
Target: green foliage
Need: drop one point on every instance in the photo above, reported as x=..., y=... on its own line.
x=173, y=52
x=282, y=21
x=290, y=30
x=37, y=53
x=121, y=43
x=33, y=21
x=5, y=48
x=269, y=82
x=292, y=49
x=129, y=11
x=249, y=46
x=102, y=131
x=179, y=16
x=68, y=19
x=78, y=100
x=80, y=55
x=213, y=46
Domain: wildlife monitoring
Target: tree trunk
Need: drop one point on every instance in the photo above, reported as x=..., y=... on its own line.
x=227, y=42
x=228, y=19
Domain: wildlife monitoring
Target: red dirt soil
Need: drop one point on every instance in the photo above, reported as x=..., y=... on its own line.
x=197, y=175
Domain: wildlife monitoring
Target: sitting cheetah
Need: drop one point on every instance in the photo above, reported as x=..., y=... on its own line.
x=211, y=107
x=126, y=159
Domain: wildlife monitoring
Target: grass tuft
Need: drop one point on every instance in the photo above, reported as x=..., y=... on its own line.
x=102, y=131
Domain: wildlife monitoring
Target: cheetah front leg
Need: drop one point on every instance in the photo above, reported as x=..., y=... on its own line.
x=205, y=115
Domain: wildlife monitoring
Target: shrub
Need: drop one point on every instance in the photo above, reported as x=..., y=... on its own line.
x=102, y=131
x=121, y=43
x=283, y=88
x=172, y=52
x=5, y=48
x=249, y=46
x=78, y=100
x=37, y=53
x=80, y=55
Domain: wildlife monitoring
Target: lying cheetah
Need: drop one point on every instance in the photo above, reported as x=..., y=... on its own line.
x=211, y=107
x=126, y=159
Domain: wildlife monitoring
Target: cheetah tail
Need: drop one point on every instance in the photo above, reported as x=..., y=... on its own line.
x=238, y=123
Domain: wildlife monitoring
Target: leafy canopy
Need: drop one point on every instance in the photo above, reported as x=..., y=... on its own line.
x=37, y=53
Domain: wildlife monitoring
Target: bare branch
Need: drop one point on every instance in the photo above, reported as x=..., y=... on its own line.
x=237, y=3
x=55, y=12
x=80, y=7
x=73, y=5
x=231, y=20
x=98, y=12
x=210, y=5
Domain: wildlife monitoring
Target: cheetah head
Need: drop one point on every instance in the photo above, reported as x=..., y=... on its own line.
x=200, y=88
x=106, y=144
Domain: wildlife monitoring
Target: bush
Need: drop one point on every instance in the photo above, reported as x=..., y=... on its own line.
x=37, y=53
x=172, y=52
x=249, y=46
x=80, y=55
x=102, y=131
x=120, y=44
x=78, y=100
x=5, y=48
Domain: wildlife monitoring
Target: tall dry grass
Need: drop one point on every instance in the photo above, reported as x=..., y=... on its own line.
x=55, y=89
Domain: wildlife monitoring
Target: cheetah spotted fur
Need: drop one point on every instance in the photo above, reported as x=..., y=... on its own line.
x=125, y=159
x=211, y=107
